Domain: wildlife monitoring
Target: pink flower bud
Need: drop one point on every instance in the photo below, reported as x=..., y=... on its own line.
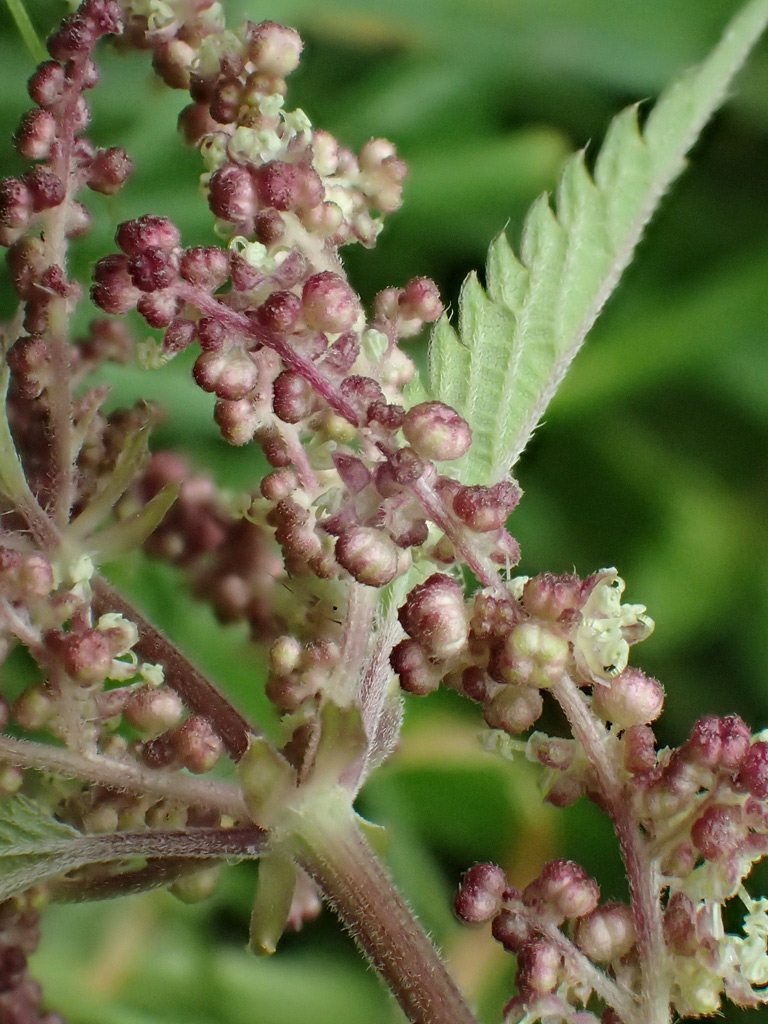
x=514, y=709
x=718, y=742
x=549, y=597
x=753, y=775
x=435, y=431
x=197, y=745
x=292, y=397
x=153, y=711
x=435, y=615
x=719, y=830
x=113, y=290
x=639, y=749
x=420, y=300
x=274, y=49
x=47, y=84
x=480, y=893
x=631, y=698
x=484, y=509
x=369, y=555
x=229, y=375
x=607, y=933
x=16, y=203
x=109, y=170
x=36, y=135
x=232, y=194
x=538, y=966
x=329, y=304
x=86, y=656
x=75, y=37
x=280, y=313
x=562, y=890
x=138, y=236
x=153, y=270
x=205, y=266
x=511, y=930
x=418, y=674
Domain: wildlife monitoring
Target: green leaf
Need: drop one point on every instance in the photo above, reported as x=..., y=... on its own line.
x=26, y=834
x=516, y=341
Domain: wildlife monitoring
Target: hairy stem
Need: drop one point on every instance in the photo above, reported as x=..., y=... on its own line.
x=332, y=851
x=642, y=874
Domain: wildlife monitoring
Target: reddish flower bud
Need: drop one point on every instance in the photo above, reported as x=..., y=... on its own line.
x=47, y=84
x=280, y=313
x=639, y=749
x=480, y=893
x=329, y=303
x=232, y=194
x=86, y=656
x=16, y=203
x=607, y=933
x=179, y=335
x=436, y=431
x=719, y=830
x=550, y=597
x=753, y=775
x=109, y=170
x=205, y=266
x=75, y=37
x=160, y=307
x=484, y=509
x=153, y=270
x=514, y=709
x=511, y=930
x=278, y=185
x=538, y=966
x=718, y=742
x=562, y=890
x=113, y=291
x=418, y=674
x=36, y=135
x=435, y=615
x=226, y=100
x=137, y=236
x=292, y=397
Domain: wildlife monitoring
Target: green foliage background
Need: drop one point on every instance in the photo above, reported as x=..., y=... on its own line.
x=653, y=457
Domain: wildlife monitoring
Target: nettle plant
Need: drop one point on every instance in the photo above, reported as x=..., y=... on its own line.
x=373, y=556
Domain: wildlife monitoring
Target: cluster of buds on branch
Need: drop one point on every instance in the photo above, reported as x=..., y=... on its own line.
x=347, y=556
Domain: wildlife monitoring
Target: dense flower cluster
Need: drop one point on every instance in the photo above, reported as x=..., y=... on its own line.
x=346, y=558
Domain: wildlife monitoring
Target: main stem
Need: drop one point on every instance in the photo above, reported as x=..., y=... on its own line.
x=333, y=852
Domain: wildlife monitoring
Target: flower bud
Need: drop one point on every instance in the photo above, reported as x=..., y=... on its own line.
x=436, y=431
x=329, y=304
x=607, y=933
x=228, y=375
x=109, y=171
x=86, y=656
x=514, y=709
x=205, y=266
x=718, y=831
x=369, y=555
x=550, y=597
x=197, y=744
x=232, y=194
x=480, y=893
x=631, y=698
x=511, y=930
x=275, y=50
x=36, y=135
x=434, y=614
x=153, y=711
x=753, y=775
x=563, y=890
x=292, y=397
x=484, y=509
x=238, y=421
x=137, y=236
x=47, y=84
x=717, y=742
x=418, y=675
x=538, y=966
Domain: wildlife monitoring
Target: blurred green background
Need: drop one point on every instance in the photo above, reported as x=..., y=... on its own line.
x=653, y=456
